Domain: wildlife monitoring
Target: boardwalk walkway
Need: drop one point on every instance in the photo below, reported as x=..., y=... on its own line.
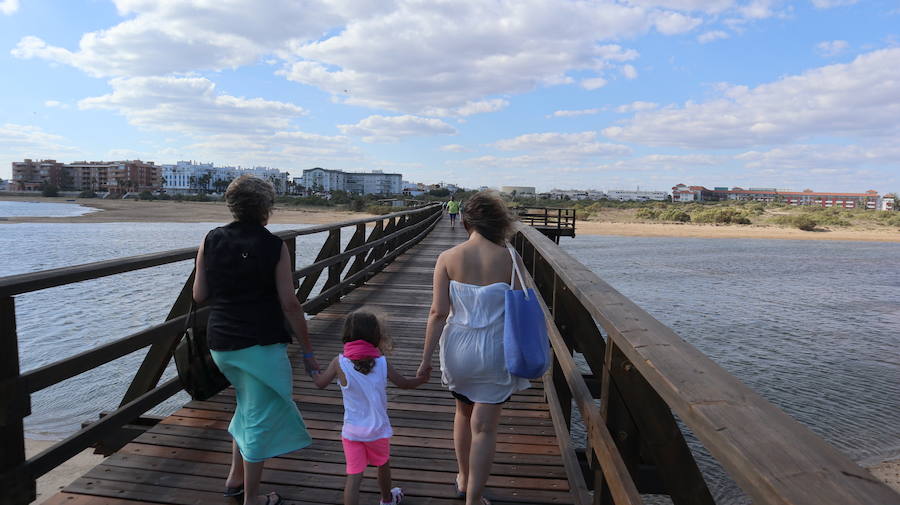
x=184, y=459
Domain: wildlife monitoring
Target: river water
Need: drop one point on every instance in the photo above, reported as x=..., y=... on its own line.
x=813, y=326
x=42, y=209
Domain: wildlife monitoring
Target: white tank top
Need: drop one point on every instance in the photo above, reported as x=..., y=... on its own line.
x=365, y=402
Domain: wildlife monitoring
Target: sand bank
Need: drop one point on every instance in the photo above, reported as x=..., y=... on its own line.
x=63, y=475
x=732, y=231
x=170, y=211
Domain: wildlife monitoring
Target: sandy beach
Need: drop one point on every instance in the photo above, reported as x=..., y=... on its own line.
x=171, y=211
x=732, y=231
x=621, y=224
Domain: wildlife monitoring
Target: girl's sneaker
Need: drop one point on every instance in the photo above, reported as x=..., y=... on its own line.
x=396, y=497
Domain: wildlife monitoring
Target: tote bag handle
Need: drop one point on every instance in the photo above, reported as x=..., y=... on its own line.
x=515, y=271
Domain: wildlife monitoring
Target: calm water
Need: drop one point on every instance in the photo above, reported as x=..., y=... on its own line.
x=812, y=326
x=62, y=321
x=42, y=209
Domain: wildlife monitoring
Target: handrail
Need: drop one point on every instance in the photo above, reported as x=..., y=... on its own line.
x=23, y=283
x=774, y=458
x=17, y=475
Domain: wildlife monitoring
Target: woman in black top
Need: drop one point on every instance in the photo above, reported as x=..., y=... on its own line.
x=244, y=273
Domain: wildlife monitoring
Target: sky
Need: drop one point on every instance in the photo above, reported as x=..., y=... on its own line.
x=596, y=94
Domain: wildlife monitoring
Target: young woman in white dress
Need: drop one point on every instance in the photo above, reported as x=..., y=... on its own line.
x=467, y=310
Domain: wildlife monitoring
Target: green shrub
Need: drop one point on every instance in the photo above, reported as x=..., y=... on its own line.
x=380, y=209
x=725, y=215
x=49, y=190
x=146, y=195
x=647, y=213
x=804, y=222
x=676, y=215
x=892, y=220
x=87, y=194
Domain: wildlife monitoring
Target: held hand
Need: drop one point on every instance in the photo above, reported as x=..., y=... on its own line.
x=311, y=365
x=424, y=371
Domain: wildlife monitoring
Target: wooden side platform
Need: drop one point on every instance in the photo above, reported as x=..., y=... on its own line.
x=184, y=459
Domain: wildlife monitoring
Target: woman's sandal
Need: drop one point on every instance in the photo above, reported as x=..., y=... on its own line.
x=460, y=493
x=278, y=499
x=233, y=492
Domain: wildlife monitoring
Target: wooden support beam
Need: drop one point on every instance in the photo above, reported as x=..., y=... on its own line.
x=310, y=281
x=18, y=488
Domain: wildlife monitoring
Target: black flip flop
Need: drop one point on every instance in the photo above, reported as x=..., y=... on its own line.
x=232, y=492
x=271, y=495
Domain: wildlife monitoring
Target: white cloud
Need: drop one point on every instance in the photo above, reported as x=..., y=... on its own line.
x=637, y=107
x=828, y=4
x=661, y=162
x=191, y=105
x=393, y=128
x=673, y=23
x=629, y=72
x=812, y=157
x=710, y=36
x=454, y=148
x=9, y=7
x=593, y=83
x=452, y=56
x=28, y=141
x=831, y=48
x=469, y=108
x=859, y=99
x=573, y=113
x=708, y=6
x=56, y=104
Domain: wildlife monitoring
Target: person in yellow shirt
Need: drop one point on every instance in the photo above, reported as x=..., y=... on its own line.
x=453, y=210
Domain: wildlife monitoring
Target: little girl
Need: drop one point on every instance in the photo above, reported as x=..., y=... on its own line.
x=362, y=373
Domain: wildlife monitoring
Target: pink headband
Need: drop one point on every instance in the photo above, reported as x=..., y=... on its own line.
x=360, y=349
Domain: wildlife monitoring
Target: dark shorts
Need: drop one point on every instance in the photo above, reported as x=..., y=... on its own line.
x=453, y=216
x=465, y=399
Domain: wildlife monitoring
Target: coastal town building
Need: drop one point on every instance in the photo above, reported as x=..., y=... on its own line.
x=868, y=200
x=190, y=177
x=375, y=182
x=413, y=189
x=117, y=177
x=623, y=195
x=574, y=194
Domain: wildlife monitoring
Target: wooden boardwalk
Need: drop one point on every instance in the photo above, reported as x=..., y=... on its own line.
x=184, y=459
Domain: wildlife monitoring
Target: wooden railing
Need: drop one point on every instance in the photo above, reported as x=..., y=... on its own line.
x=390, y=236
x=554, y=223
x=642, y=374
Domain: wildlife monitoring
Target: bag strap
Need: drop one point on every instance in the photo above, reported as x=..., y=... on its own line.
x=515, y=271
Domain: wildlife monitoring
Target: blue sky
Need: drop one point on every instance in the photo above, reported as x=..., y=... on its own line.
x=604, y=94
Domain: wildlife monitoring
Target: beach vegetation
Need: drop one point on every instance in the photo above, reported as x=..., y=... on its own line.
x=804, y=221
x=87, y=194
x=146, y=195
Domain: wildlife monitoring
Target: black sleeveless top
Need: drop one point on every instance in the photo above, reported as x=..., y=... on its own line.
x=245, y=311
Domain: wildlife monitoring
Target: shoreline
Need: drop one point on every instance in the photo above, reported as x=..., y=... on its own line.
x=171, y=211
x=887, y=472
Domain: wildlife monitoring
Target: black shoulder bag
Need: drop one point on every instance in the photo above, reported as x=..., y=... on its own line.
x=197, y=371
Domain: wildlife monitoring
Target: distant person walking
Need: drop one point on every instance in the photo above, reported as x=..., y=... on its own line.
x=467, y=314
x=453, y=210
x=244, y=272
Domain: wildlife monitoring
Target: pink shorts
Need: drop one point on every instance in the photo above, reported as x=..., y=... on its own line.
x=361, y=454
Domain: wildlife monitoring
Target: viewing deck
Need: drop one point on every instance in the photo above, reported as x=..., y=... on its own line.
x=641, y=376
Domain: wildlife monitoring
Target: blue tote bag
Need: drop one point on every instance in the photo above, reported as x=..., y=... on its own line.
x=525, y=344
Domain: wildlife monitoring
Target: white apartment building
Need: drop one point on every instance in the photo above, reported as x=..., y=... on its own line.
x=518, y=190
x=361, y=183
x=187, y=177
x=576, y=194
x=636, y=195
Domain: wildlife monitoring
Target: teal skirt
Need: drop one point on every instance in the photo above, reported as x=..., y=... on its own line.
x=266, y=420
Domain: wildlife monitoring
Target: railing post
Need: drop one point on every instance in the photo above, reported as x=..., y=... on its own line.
x=160, y=352
x=334, y=271
x=18, y=487
x=310, y=281
x=359, y=238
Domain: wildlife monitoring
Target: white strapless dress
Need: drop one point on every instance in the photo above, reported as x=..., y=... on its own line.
x=472, y=361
